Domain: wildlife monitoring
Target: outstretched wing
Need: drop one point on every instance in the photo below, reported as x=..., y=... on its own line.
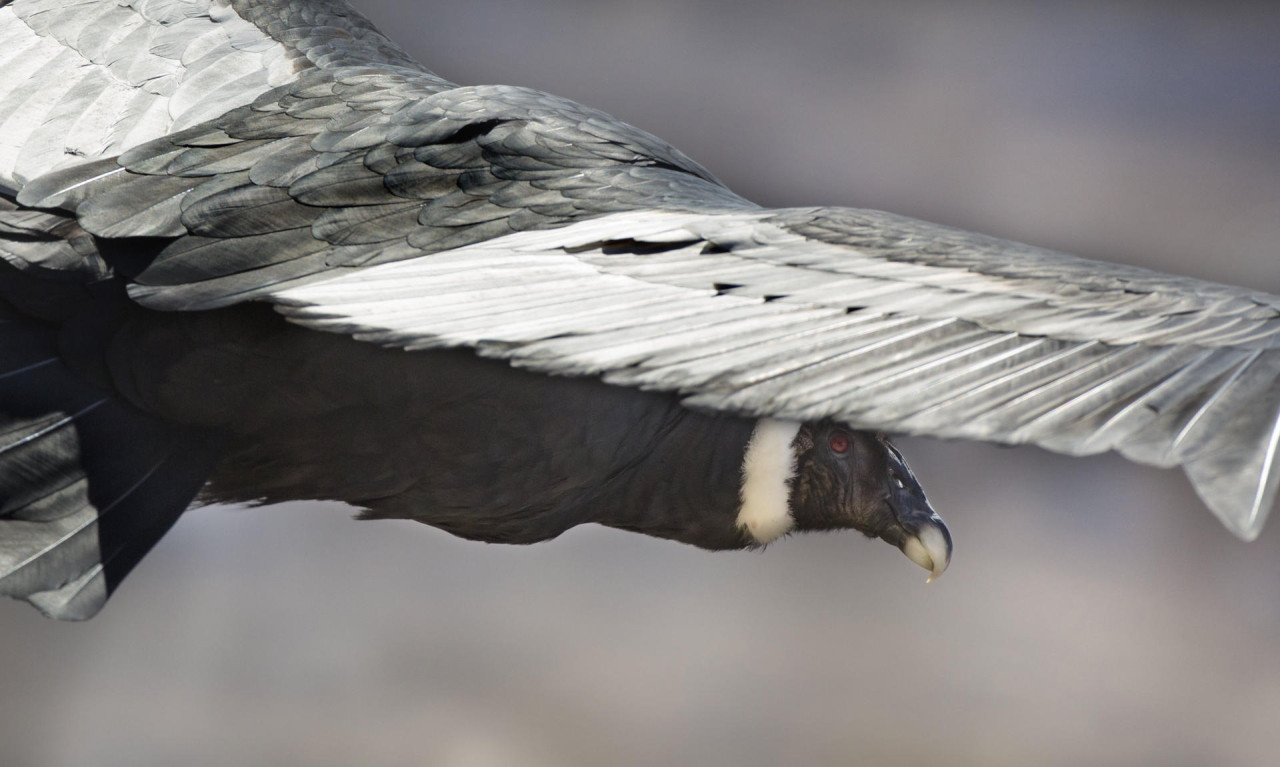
x=876, y=320
x=378, y=200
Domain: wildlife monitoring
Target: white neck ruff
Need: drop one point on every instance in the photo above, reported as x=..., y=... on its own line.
x=767, y=468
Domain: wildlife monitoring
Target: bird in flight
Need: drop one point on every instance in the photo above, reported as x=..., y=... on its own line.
x=251, y=251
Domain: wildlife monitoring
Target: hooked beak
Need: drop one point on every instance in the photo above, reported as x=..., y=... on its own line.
x=916, y=528
x=929, y=546
x=920, y=533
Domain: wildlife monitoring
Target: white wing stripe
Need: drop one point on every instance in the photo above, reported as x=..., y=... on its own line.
x=988, y=377
x=786, y=334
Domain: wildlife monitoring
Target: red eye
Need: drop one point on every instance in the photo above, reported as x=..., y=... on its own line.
x=839, y=442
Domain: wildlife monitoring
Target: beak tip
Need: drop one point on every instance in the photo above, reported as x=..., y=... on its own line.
x=930, y=548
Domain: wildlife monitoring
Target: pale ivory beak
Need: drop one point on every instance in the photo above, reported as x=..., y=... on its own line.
x=930, y=547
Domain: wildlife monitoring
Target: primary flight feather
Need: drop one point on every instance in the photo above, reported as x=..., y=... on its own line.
x=173, y=171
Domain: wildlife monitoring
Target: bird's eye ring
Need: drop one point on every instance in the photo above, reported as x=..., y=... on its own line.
x=839, y=442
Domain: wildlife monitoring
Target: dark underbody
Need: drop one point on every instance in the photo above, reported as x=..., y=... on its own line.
x=466, y=444
x=462, y=443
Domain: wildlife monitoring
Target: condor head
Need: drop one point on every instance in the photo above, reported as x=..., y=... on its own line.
x=829, y=477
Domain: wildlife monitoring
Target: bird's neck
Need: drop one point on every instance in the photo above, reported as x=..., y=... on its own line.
x=689, y=486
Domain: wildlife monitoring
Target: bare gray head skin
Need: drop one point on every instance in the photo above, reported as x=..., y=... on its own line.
x=857, y=479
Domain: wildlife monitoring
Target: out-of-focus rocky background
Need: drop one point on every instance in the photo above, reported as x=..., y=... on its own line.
x=1094, y=612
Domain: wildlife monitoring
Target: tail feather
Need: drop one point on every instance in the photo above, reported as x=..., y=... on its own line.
x=88, y=483
x=79, y=600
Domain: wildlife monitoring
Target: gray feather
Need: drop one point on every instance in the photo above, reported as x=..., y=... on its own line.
x=195, y=259
x=366, y=224
x=345, y=183
x=245, y=210
x=147, y=208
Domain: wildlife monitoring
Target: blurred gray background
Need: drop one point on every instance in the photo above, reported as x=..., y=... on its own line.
x=1094, y=612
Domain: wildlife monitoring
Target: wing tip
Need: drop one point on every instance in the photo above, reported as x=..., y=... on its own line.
x=1240, y=484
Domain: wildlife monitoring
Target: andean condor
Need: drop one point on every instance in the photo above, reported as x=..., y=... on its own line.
x=253, y=252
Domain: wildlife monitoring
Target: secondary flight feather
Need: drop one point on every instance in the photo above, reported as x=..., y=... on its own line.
x=168, y=165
